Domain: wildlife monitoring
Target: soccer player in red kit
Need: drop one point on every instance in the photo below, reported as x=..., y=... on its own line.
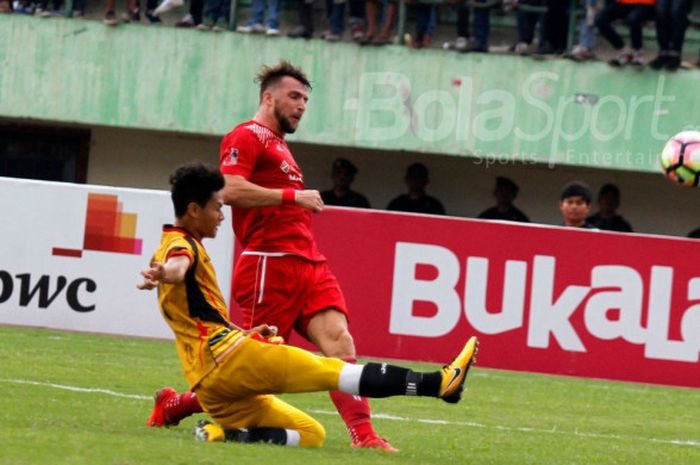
x=281, y=278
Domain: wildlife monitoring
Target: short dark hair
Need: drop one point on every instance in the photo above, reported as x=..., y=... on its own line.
x=194, y=182
x=271, y=75
x=577, y=189
x=502, y=181
x=343, y=164
x=417, y=171
x=610, y=189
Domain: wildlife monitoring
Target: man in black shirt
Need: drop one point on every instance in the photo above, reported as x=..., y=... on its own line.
x=607, y=217
x=343, y=175
x=416, y=200
x=506, y=191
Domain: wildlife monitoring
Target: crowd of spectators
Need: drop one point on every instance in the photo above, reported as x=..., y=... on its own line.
x=575, y=202
x=542, y=25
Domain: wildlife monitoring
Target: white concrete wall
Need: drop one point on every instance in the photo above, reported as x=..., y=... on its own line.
x=120, y=157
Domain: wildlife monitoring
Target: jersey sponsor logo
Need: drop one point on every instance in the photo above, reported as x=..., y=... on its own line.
x=232, y=157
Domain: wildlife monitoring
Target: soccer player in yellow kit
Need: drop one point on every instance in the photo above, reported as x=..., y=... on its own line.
x=235, y=373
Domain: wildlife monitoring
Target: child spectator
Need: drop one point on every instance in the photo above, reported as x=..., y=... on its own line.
x=575, y=203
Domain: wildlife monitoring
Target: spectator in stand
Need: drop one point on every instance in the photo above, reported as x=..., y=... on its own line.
x=426, y=15
x=527, y=22
x=635, y=13
x=132, y=13
x=5, y=6
x=79, y=8
x=305, y=28
x=574, y=204
x=356, y=19
x=335, y=11
x=256, y=23
x=505, y=192
x=215, y=15
x=416, y=200
x=482, y=26
x=554, y=28
x=607, y=217
x=374, y=35
x=151, y=6
x=191, y=19
x=462, y=42
x=42, y=8
x=343, y=175
x=671, y=23
x=583, y=51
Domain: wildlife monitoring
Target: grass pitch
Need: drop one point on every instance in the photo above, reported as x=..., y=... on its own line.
x=75, y=399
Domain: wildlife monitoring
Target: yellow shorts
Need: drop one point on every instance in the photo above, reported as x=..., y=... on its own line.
x=237, y=394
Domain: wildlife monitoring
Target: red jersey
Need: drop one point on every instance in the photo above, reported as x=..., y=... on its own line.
x=262, y=157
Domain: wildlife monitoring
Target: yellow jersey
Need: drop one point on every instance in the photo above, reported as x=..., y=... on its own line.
x=194, y=309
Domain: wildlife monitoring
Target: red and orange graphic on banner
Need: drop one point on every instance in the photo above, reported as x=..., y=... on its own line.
x=107, y=228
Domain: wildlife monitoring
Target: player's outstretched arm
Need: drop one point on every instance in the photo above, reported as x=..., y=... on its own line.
x=241, y=193
x=173, y=271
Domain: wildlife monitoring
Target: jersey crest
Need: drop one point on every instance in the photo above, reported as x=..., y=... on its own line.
x=232, y=158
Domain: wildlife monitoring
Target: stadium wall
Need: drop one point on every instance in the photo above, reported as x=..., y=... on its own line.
x=544, y=299
x=142, y=159
x=474, y=105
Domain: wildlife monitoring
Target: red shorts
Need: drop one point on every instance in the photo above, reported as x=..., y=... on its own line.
x=285, y=291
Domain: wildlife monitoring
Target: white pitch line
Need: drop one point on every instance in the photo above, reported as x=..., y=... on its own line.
x=471, y=424
x=77, y=389
x=383, y=416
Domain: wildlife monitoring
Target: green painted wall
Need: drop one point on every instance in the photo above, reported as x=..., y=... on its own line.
x=499, y=107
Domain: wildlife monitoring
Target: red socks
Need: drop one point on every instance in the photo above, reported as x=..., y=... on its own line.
x=355, y=412
x=182, y=406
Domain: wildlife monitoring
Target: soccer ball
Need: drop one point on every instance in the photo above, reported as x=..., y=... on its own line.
x=680, y=159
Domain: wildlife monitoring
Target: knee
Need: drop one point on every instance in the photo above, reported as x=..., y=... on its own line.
x=312, y=436
x=341, y=344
